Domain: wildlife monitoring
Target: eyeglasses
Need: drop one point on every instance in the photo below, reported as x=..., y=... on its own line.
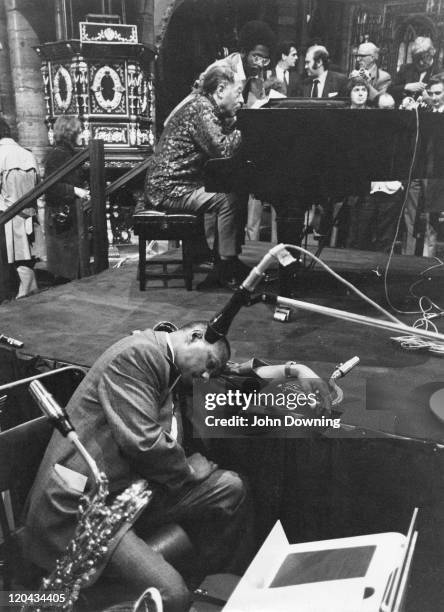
x=260, y=60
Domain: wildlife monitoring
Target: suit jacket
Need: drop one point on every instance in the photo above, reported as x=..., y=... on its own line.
x=335, y=86
x=379, y=84
x=294, y=87
x=122, y=411
x=408, y=73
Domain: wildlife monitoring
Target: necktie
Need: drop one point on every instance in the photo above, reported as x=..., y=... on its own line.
x=315, y=89
x=286, y=76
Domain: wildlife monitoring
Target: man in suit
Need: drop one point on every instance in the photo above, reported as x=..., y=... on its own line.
x=285, y=70
x=413, y=78
x=411, y=82
x=123, y=413
x=367, y=68
x=200, y=128
x=322, y=82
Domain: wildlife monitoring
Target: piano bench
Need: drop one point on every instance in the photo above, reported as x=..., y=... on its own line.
x=167, y=225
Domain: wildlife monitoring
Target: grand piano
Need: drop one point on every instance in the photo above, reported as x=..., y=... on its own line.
x=297, y=152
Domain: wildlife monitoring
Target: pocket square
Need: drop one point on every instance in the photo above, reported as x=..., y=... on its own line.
x=332, y=94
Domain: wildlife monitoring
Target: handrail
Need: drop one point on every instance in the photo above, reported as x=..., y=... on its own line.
x=128, y=176
x=26, y=200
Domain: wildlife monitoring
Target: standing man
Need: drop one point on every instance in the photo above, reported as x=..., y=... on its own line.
x=18, y=175
x=322, y=82
x=367, y=68
x=200, y=128
x=413, y=78
x=411, y=82
x=256, y=43
x=285, y=69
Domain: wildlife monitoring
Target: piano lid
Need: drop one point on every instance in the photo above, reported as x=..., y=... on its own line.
x=294, y=151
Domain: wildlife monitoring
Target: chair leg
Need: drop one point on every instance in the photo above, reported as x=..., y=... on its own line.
x=142, y=262
x=187, y=262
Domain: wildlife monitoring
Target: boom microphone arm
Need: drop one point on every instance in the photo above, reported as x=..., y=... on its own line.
x=220, y=323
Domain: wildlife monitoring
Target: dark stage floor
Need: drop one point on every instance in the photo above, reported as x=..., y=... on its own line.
x=388, y=391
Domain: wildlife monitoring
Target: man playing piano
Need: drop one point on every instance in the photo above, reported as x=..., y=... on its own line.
x=200, y=128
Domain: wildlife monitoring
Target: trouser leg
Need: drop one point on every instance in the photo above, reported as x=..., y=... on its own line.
x=133, y=567
x=388, y=210
x=410, y=214
x=223, y=205
x=255, y=208
x=213, y=512
x=366, y=220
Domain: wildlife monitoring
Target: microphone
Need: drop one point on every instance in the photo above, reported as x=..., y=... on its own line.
x=51, y=408
x=220, y=323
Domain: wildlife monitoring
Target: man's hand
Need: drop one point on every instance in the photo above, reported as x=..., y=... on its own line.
x=311, y=383
x=82, y=193
x=201, y=467
x=415, y=87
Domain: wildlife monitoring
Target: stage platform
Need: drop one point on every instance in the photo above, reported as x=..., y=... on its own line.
x=322, y=488
x=77, y=321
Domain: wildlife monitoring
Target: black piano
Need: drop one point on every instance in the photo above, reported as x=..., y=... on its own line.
x=301, y=151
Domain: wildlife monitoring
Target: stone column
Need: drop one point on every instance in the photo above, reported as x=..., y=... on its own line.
x=145, y=21
x=26, y=78
x=7, y=102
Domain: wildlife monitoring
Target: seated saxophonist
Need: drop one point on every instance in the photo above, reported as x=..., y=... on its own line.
x=123, y=413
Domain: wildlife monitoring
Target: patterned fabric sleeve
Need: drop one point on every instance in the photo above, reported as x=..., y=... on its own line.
x=212, y=135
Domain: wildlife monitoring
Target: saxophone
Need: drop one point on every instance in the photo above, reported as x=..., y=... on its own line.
x=97, y=523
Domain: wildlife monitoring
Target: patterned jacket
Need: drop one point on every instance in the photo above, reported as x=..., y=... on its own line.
x=195, y=132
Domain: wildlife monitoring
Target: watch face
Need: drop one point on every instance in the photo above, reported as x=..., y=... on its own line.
x=108, y=91
x=62, y=88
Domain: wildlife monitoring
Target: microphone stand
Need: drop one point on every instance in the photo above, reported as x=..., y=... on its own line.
x=61, y=421
x=219, y=325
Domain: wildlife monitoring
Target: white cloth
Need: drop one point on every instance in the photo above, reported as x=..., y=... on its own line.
x=18, y=175
x=385, y=186
x=281, y=74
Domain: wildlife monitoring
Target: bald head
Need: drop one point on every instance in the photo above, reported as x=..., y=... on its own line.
x=367, y=55
x=317, y=59
x=194, y=357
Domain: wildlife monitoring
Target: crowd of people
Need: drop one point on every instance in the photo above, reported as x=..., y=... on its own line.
x=373, y=216
x=203, y=126
x=123, y=409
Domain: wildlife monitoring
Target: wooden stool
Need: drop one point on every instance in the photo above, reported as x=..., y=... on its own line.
x=167, y=225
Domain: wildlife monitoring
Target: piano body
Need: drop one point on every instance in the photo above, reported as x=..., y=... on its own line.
x=302, y=151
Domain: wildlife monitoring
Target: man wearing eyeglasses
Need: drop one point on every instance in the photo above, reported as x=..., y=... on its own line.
x=413, y=78
x=256, y=43
x=367, y=68
x=411, y=82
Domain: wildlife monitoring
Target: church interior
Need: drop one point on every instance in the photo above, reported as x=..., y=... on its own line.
x=312, y=293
